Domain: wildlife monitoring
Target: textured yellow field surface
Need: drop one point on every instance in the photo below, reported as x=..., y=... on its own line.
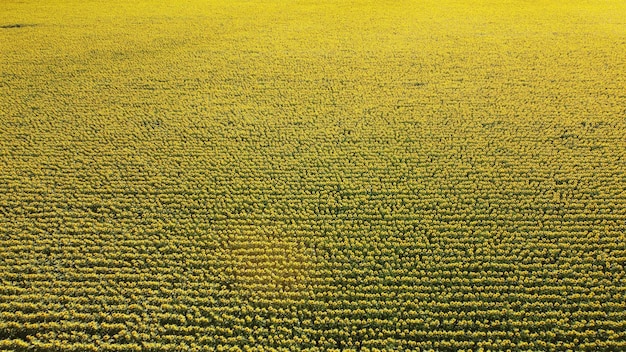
x=312, y=175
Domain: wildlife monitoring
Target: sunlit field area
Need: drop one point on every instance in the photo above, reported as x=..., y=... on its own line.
x=203, y=175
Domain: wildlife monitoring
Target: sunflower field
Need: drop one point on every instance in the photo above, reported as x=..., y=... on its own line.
x=267, y=175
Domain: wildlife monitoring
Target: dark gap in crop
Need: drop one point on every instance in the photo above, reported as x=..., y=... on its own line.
x=16, y=25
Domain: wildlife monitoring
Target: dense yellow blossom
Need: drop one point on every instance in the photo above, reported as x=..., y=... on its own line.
x=208, y=175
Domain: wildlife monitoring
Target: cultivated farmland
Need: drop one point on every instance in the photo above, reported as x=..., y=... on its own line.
x=265, y=175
